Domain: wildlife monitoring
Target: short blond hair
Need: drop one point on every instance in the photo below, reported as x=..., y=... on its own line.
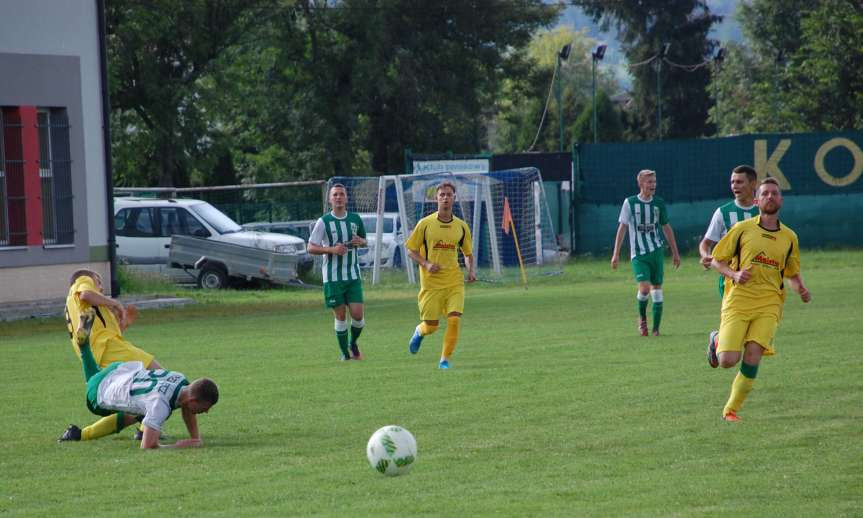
x=645, y=172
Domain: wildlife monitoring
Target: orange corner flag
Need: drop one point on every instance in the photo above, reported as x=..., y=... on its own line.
x=507, y=216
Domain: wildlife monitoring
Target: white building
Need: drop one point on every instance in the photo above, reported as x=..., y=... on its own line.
x=55, y=187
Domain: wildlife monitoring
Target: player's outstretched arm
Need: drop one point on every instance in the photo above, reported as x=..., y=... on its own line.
x=797, y=285
x=471, y=268
x=150, y=440
x=705, y=248
x=97, y=299
x=669, y=235
x=428, y=265
x=618, y=240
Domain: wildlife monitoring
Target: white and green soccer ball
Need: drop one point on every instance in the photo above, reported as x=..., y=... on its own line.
x=392, y=450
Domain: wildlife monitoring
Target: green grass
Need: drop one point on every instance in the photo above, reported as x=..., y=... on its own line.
x=553, y=407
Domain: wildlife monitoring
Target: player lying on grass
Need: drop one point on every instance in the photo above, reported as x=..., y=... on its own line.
x=132, y=392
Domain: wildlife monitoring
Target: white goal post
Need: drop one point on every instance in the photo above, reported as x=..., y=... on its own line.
x=391, y=205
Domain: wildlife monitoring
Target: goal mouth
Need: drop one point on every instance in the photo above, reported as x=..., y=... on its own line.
x=507, y=212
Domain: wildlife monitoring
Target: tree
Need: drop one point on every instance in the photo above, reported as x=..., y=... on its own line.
x=801, y=69
x=644, y=28
x=403, y=75
x=609, y=124
x=525, y=97
x=158, y=53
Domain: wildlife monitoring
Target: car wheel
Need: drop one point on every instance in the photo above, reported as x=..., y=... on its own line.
x=212, y=278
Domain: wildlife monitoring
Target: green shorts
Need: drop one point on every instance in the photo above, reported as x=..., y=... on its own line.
x=649, y=267
x=340, y=293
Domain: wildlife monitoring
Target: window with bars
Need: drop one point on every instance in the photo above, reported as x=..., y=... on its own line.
x=13, y=229
x=55, y=174
x=4, y=223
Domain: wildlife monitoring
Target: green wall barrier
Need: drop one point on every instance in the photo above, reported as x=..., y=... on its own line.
x=819, y=221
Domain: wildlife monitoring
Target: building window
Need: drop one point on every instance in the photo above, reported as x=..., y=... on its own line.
x=13, y=225
x=55, y=174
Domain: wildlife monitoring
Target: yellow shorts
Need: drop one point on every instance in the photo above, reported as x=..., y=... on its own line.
x=113, y=350
x=736, y=329
x=434, y=303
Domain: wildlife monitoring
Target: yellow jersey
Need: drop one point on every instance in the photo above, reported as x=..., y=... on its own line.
x=439, y=242
x=106, y=326
x=769, y=255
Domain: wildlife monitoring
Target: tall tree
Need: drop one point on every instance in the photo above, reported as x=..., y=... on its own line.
x=800, y=69
x=395, y=74
x=158, y=53
x=644, y=28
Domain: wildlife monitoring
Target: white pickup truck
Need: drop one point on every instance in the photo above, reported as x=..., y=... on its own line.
x=145, y=226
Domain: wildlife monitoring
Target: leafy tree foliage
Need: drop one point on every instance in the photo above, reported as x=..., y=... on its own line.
x=519, y=125
x=801, y=69
x=309, y=89
x=159, y=52
x=644, y=27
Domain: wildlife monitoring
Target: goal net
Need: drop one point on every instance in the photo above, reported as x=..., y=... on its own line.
x=507, y=212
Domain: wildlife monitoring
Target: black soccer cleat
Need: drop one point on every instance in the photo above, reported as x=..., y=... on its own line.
x=73, y=433
x=355, y=352
x=712, y=358
x=82, y=334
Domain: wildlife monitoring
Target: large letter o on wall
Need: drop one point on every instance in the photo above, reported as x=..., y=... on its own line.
x=848, y=179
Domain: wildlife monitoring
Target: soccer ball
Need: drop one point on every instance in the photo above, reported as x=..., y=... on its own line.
x=392, y=450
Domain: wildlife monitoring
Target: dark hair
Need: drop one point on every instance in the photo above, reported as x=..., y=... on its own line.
x=205, y=390
x=81, y=273
x=748, y=170
x=446, y=183
x=771, y=181
x=337, y=185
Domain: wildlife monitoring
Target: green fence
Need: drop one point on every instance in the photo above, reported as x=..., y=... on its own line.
x=820, y=175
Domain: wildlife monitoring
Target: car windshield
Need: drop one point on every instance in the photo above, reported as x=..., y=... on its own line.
x=222, y=223
x=370, y=223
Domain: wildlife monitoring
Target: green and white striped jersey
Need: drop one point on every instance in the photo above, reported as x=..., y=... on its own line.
x=726, y=216
x=329, y=231
x=131, y=388
x=645, y=219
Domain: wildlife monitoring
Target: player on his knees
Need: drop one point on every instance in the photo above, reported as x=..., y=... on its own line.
x=127, y=390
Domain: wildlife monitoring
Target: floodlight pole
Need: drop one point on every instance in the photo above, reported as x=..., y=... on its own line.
x=558, y=94
x=662, y=54
x=593, y=94
x=597, y=55
x=561, y=57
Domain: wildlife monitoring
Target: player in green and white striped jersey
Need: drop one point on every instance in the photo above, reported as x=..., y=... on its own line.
x=744, y=183
x=643, y=216
x=336, y=236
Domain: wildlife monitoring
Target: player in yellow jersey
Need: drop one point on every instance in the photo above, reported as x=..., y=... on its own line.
x=765, y=254
x=434, y=245
x=106, y=341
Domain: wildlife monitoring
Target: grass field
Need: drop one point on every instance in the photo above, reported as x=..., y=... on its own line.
x=554, y=406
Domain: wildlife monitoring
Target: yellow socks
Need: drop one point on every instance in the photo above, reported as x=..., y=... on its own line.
x=426, y=329
x=740, y=388
x=102, y=427
x=450, y=337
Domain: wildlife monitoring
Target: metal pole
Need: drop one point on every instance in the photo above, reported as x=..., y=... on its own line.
x=559, y=94
x=594, y=99
x=659, y=98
